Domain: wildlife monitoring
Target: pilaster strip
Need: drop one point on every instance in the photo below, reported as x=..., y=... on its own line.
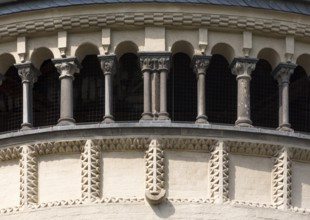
x=29, y=176
x=219, y=171
x=282, y=179
x=90, y=172
x=155, y=166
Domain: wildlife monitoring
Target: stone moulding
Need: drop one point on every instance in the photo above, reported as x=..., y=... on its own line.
x=191, y=144
x=300, y=154
x=247, y=148
x=157, y=19
x=122, y=144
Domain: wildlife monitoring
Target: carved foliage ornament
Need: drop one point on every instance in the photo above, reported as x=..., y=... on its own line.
x=108, y=64
x=201, y=65
x=243, y=69
x=155, y=167
x=153, y=62
x=28, y=73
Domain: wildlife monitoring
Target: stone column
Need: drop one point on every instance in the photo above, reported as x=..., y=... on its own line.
x=155, y=77
x=163, y=68
x=29, y=75
x=200, y=65
x=66, y=67
x=108, y=66
x=282, y=74
x=146, y=67
x=242, y=68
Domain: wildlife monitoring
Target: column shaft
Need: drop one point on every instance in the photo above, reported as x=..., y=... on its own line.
x=29, y=76
x=108, y=67
x=66, y=67
x=243, y=68
x=282, y=74
x=200, y=64
x=163, y=115
x=147, y=95
x=155, y=96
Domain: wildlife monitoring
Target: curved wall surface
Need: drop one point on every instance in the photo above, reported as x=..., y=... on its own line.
x=155, y=167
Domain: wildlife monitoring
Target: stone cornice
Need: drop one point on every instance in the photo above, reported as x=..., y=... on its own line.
x=141, y=19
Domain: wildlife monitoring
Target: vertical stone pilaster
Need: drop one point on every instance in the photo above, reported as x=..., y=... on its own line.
x=90, y=172
x=155, y=167
x=219, y=173
x=66, y=67
x=282, y=74
x=108, y=66
x=200, y=65
x=282, y=179
x=29, y=75
x=242, y=68
x=28, y=177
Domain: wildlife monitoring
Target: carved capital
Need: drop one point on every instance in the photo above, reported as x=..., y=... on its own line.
x=200, y=64
x=282, y=73
x=27, y=72
x=108, y=64
x=155, y=168
x=243, y=67
x=67, y=67
x=154, y=61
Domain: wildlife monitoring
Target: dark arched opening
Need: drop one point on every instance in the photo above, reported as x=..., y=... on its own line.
x=182, y=90
x=11, y=101
x=89, y=91
x=221, y=92
x=46, y=96
x=264, y=96
x=128, y=89
x=299, y=98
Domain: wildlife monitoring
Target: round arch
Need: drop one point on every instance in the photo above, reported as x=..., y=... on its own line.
x=125, y=47
x=86, y=49
x=304, y=61
x=269, y=55
x=39, y=55
x=182, y=47
x=225, y=50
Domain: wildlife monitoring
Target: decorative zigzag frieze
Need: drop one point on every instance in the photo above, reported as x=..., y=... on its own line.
x=10, y=153
x=300, y=154
x=155, y=178
x=191, y=144
x=252, y=148
x=282, y=179
x=90, y=172
x=122, y=144
x=59, y=147
x=219, y=165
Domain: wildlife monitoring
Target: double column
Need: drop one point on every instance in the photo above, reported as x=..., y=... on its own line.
x=200, y=65
x=155, y=68
x=66, y=67
x=282, y=74
x=29, y=75
x=108, y=66
x=242, y=68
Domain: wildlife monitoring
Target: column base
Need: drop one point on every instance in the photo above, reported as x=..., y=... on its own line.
x=107, y=119
x=163, y=116
x=285, y=127
x=202, y=119
x=244, y=123
x=66, y=121
x=146, y=117
x=26, y=126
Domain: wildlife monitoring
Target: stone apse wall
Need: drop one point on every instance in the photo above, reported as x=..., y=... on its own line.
x=151, y=175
